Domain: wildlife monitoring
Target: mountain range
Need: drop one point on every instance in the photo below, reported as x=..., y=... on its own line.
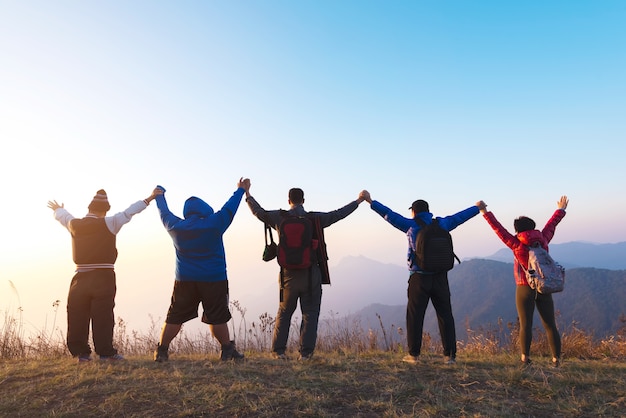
x=483, y=291
x=372, y=293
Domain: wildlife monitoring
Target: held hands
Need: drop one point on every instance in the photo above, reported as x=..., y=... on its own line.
x=52, y=204
x=364, y=195
x=245, y=185
x=562, y=203
x=482, y=206
x=158, y=190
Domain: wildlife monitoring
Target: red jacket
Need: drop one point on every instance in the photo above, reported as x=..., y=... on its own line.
x=518, y=243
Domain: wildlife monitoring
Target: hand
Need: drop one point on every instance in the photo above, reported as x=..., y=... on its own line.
x=244, y=184
x=52, y=204
x=482, y=206
x=562, y=203
x=364, y=195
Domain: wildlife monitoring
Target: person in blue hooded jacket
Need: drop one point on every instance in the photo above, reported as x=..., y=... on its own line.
x=200, y=269
x=423, y=285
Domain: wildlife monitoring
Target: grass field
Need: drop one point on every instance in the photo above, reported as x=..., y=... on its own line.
x=354, y=373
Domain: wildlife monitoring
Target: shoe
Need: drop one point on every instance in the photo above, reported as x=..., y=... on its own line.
x=279, y=356
x=160, y=354
x=526, y=363
x=450, y=361
x=114, y=357
x=305, y=357
x=230, y=353
x=556, y=363
x=84, y=358
x=411, y=359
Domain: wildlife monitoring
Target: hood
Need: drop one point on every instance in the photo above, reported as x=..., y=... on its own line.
x=196, y=206
x=530, y=237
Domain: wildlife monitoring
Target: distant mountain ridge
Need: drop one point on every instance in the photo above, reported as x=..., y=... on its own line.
x=483, y=291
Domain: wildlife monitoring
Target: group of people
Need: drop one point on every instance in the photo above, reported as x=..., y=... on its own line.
x=201, y=276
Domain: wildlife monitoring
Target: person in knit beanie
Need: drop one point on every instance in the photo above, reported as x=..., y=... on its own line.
x=91, y=297
x=100, y=202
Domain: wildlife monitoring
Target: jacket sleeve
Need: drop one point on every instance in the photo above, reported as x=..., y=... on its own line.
x=270, y=217
x=167, y=217
x=396, y=220
x=329, y=218
x=550, y=228
x=226, y=215
x=115, y=222
x=507, y=238
x=452, y=221
x=64, y=217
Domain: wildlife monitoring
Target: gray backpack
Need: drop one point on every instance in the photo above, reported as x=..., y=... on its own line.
x=543, y=273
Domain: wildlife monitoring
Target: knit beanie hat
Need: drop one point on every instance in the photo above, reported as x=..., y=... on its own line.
x=100, y=203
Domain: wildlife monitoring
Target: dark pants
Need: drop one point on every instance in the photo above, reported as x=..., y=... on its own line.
x=525, y=300
x=91, y=299
x=422, y=288
x=299, y=285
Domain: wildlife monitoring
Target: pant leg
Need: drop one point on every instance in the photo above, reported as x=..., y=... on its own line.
x=545, y=307
x=440, y=296
x=310, y=303
x=286, y=308
x=102, y=317
x=525, y=303
x=78, y=316
x=418, y=296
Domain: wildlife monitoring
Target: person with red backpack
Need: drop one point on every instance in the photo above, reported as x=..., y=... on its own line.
x=526, y=298
x=427, y=283
x=303, y=266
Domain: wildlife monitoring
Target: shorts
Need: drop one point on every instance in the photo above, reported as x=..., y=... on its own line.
x=188, y=295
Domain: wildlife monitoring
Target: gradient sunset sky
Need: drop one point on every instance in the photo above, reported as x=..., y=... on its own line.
x=515, y=103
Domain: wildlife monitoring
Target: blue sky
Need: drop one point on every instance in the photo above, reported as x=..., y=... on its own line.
x=516, y=103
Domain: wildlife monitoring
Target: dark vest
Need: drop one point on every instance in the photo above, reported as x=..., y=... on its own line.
x=92, y=242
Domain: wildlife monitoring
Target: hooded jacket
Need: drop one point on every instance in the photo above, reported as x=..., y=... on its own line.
x=519, y=243
x=197, y=238
x=411, y=227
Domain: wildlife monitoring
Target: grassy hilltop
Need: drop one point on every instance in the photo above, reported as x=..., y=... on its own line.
x=351, y=375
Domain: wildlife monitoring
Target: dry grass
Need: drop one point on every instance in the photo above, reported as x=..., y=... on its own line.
x=355, y=372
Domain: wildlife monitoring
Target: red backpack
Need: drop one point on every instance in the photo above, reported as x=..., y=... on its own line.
x=296, y=245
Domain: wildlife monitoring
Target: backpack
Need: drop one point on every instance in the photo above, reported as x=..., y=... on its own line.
x=543, y=274
x=296, y=245
x=434, y=251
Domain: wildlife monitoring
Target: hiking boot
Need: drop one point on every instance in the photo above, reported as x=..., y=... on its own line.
x=279, y=356
x=114, y=357
x=449, y=360
x=305, y=357
x=160, y=354
x=411, y=359
x=230, y=353
x=84, y=358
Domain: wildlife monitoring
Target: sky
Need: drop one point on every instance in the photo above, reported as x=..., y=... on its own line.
x=514, y=103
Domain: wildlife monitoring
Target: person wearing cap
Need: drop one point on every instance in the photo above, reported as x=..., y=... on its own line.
x=200, y=269
x=425, y=286
x=91, y=296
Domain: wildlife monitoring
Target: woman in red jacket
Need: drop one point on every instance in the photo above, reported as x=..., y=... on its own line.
x=526, y=298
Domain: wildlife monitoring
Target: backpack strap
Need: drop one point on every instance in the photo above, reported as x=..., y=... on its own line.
x=268, y=230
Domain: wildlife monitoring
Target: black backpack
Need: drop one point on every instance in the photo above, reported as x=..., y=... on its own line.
x=296, y=245
x=434, y=252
